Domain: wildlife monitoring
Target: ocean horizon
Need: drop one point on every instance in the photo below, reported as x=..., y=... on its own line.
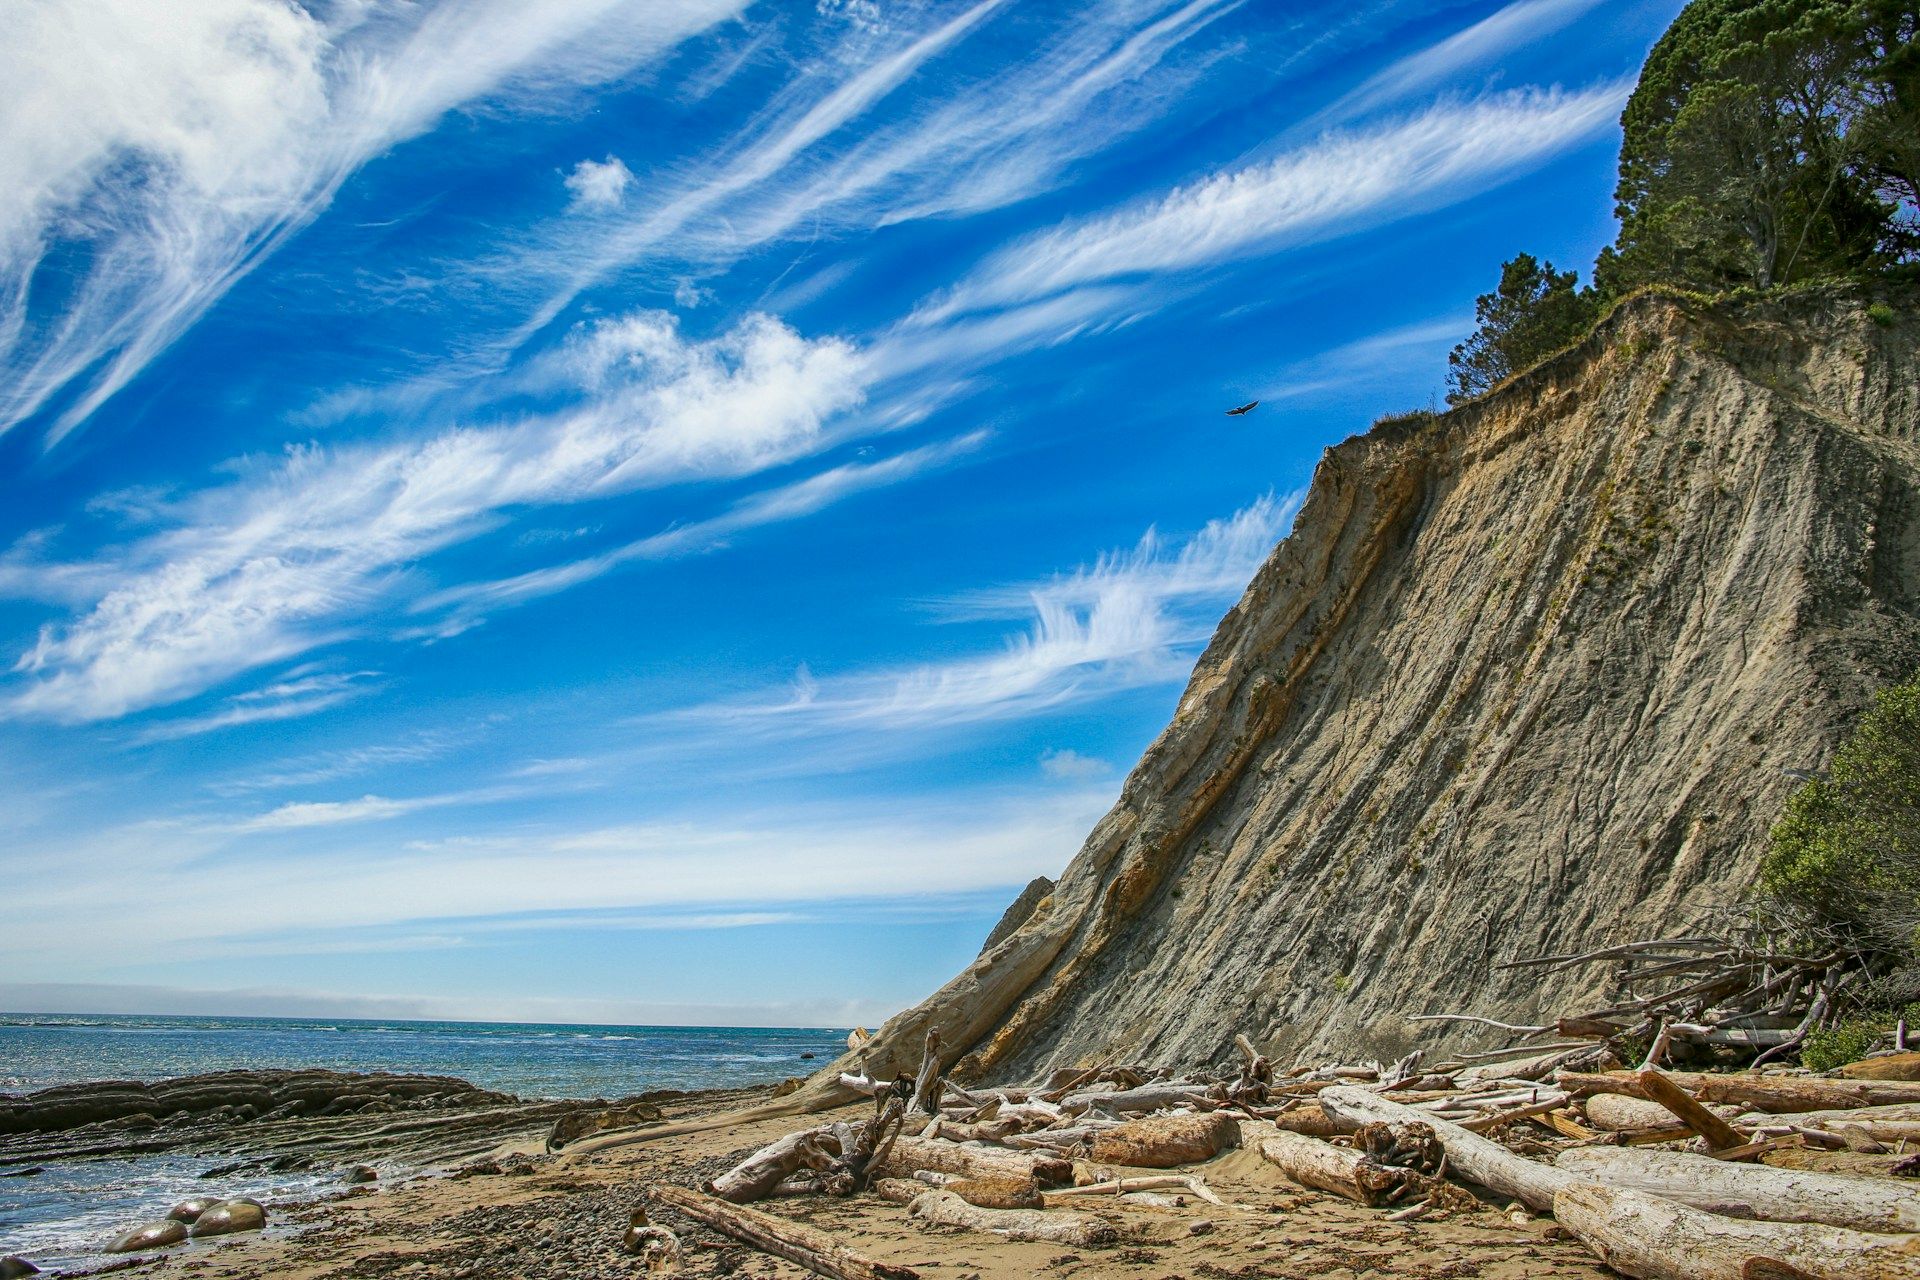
x=532, y=1059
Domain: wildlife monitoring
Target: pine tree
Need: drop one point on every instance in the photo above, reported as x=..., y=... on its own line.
x=1535, y=312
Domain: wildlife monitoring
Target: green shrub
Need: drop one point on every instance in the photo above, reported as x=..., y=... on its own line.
x=1837, y=1046
x=1846, y=855
x=1851, y=1040
x=1881, y=314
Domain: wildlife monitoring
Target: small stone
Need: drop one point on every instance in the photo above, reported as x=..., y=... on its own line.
x=192, y=1207
x=12, y=1268
x=362, y=1173
x=1201, y=1228
x=230, y=1216
x=151, y=1235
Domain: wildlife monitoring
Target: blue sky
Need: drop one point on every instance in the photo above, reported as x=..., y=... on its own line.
x=673, y=510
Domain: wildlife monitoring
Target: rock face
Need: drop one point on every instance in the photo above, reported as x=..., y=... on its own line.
x=1524, y=678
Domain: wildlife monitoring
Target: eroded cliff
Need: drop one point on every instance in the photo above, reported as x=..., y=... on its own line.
x=1523, y=677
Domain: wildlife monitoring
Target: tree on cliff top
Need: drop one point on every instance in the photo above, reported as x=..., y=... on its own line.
x=1534, y=312
x=1769, y=141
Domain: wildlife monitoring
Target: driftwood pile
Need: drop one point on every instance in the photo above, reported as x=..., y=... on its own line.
x=1732, y=992
x=1654, y=1170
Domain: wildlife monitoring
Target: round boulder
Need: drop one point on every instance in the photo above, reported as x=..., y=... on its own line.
x=361, y=1173
x=12, y=1268
x=229, y=1216
x=150, y=1235
x=192, y=1207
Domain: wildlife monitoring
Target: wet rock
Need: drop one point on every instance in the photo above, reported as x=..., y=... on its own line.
x=809, y=1055
x=150, y=1235
x=12, y=1268
x=192, y=1207
x=362, y=1173
x=232, y=1096
x=31, y=1171
x=578, y=1124
x=230, y=1216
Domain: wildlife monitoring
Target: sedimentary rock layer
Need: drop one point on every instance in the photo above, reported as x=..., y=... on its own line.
x=1525, y=677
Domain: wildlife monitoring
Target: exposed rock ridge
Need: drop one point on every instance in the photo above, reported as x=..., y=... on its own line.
x=1523, y=677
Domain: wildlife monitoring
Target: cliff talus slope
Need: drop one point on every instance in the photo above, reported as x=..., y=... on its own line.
x=1523, y=678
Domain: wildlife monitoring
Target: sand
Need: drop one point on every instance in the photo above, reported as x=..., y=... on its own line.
x=563, y=1217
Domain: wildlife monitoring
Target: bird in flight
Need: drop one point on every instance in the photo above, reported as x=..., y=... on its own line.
x=1245, y=408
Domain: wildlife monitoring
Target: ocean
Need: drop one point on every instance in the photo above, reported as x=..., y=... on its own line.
x=60, y=1216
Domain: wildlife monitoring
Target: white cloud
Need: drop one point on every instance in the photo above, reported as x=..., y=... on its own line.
x=597, y=186
x=170, y=148
x=1332, y=186
x=283, y=700
x=327, y=813
x=470, y=601
x=744, y=861
x=1498, y=33
x=286, y=558
x=1127, y=621
x=329, y=766
x=1069, y=765
x=93, y=997
x=1365, y=359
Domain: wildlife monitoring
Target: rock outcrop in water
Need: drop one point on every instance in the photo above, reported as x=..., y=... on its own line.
x=1526, y=677
x=277, y=1121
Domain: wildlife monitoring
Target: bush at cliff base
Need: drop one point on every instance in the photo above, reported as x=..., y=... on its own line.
x=1847, y=851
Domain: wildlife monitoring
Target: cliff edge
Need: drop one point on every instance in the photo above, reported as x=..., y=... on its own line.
x=1525, y=677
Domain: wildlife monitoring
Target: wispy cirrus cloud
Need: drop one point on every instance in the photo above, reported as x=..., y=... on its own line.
x=163, y=151
x=330, y=766
x=1332, y=186
x=468, y=603
x=268, y=567
x=1440, y=63
x=288, y=699
x=752, y=861
x=957, y=147
x=1128, y=620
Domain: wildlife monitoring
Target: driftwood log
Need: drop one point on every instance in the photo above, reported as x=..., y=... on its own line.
x=945, y=1209
x=1621, y=1112
x=1191, y=1183
x=1752, y=1191
x=1311, y=1119
x=834, y=1157
x=1891, y=1066
x=1756, y=1093
x=1341, y=1170
x=1471, y=1156
x=1163, y=1142
x=755, y=1177
x=1149, y=1097
x=1654, y=1238
x=995, y=1193
x=1658, y=1087
x=811, y=1249
x=969, y=1160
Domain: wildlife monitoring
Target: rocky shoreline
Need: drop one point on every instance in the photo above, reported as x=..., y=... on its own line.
x=346, y=1129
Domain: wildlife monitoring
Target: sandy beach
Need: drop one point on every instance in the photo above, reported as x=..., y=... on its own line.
x=563, y=1216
